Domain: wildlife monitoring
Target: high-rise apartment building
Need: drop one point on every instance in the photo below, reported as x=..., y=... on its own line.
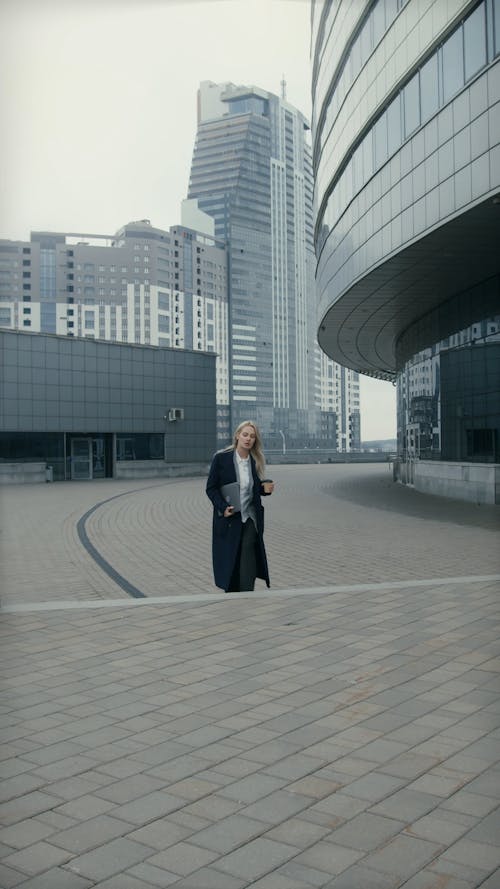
x=252, y=173
x=406, y=153
x=142, y=285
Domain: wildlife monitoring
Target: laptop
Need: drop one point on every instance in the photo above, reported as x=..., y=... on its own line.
x=231, y=494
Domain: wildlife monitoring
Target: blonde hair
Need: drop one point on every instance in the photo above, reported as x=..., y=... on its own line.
x=256, y=452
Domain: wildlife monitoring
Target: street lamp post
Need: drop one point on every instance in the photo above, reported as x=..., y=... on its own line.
x=284, y=443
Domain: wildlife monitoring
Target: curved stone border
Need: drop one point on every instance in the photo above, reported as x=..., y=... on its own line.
x=94, y=553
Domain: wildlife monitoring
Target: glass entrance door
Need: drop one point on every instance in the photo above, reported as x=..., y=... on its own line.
x=81, y=458
x=98, y=458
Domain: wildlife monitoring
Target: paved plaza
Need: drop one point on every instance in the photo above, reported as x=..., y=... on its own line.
x=340, y=730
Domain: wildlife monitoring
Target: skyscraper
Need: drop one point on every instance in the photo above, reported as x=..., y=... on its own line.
x=252, y=172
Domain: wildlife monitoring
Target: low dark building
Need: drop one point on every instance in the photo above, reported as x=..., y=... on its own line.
x=93, y=409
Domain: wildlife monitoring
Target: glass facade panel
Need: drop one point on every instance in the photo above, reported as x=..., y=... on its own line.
x=453, y=65
x=448, y=406
x=411, y=105
x=475, y=41
x=34, y=447
x=380, y=140
x=142, y=446
x=429, y=93
x=394, y=134
x=378, y=18
x=496, y=26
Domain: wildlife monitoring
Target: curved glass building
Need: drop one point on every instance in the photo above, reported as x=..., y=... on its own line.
x=406, y=158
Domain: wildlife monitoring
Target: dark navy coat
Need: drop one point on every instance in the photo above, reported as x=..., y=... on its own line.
x=226, y=532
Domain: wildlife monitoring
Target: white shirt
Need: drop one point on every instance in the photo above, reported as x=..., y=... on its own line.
x=246, y=488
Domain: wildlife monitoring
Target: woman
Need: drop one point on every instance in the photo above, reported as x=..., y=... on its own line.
x=238, y=549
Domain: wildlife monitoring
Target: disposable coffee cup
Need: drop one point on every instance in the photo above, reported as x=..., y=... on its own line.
x=267, y=483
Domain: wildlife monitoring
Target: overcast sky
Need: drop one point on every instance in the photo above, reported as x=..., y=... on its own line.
x=98, y=110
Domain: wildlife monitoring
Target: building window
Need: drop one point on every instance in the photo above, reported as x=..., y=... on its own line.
x=496, y=25
x=481, y=443
x=453, y=65
x=411, y=104
x=475, y=42
x=429, y=96
x=380, y=140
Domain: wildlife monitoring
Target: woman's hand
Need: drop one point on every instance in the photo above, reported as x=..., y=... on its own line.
x=267, y=486
x=229, y=511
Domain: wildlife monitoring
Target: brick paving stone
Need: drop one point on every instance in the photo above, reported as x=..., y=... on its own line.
x=210, y=878
x=446, y=869
x=278, y=881
x=57, y=878
x=84, y=807
x=440, y=827
x=256, y=858
x=276, y=807
x=426, y=879
x=328, y=857
x=374, y=786
x=228, y=834
x=130, y=788
x=25, y=833
x=473, y=853
x=10, y=877
x=129, y=881
x=470, y=803
x=90, y=833
x=360, y=877
x=492, y=882
x=402, y=857
x=77, y=786
x=150, y=875
x=26, y=806
x=487, y=831
x=295, y=766
x=183, y=858
x=298, y=832
x=302, y=874
x=55, y=820
x=366, y=832
x=407, y=805
x=37, y=858
x=252, y=788
x=109, y=859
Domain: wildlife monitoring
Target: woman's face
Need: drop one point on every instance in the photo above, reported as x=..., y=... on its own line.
x=246, y=438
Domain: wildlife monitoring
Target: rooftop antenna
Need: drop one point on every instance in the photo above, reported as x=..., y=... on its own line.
x=283, y=87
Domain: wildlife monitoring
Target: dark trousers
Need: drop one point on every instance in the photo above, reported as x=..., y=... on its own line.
x=245, y=570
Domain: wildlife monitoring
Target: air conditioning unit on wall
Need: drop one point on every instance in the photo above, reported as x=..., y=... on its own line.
x=175, y=413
